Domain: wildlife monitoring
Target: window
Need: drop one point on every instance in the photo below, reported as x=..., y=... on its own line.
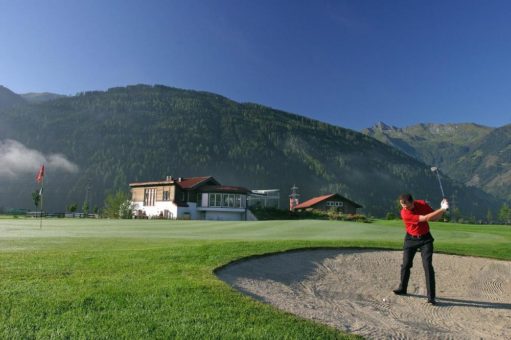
x=149, y=196
x=225, y=200
x=334, y=204
x=215, y=200
x=229, y=200
x=166, y=195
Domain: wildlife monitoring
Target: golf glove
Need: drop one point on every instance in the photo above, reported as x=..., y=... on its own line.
x=444, y=205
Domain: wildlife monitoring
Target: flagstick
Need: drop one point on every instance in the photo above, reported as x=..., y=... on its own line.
x=41, y=221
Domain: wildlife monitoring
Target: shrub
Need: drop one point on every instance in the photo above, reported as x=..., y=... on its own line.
x=125, y=210
x=314, y=214
x=113, y=204
x=390, y=216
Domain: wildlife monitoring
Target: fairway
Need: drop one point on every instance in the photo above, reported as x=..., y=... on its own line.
x=17, y=229
x=199, y=230
x=153, y=278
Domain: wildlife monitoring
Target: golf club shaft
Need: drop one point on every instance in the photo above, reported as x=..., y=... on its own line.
x=440, y=182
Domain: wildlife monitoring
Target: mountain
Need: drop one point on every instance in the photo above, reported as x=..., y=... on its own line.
x=488, y=164
x=469, y=153
x=35, y=97
x=9, y=98
x=141, y=132
x=435, y=144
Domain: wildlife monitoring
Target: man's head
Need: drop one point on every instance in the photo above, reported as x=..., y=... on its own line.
x=406, y=201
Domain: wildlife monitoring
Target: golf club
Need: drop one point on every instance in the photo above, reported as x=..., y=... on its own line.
x=435, y=170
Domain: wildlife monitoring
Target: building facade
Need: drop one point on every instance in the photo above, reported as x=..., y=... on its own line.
x=193, y=198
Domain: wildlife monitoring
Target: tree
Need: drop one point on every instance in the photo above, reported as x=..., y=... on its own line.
x=504, y=214
x=72, y=208
x=456, y=214
x=85, y=209
x=125, y=210
x=113, y=204
x=489, y=217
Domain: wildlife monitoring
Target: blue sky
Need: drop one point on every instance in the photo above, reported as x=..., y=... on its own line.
x=349, y=63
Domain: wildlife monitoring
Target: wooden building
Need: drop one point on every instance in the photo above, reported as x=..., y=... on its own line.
x=330, y=201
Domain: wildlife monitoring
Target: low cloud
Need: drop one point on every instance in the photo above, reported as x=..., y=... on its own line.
x=17, y=160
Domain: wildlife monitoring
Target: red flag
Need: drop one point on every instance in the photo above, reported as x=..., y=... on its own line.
x=40, y=175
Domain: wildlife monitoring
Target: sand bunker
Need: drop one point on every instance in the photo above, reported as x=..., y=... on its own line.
x=351, y=290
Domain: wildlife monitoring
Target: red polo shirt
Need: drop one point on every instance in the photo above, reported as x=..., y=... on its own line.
x=411, y=218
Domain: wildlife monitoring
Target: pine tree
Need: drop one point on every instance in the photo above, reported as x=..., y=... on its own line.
x=504, y=214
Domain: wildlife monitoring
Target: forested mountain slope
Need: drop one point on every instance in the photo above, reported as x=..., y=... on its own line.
x=141, y=132
x=488, y=164
x=475, y=155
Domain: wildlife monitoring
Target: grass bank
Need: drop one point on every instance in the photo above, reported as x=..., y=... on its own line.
x=154, y=279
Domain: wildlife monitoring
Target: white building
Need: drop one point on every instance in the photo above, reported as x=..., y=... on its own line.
x=196, y=198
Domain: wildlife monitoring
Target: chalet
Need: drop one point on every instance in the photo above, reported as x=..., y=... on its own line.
x=195, y=198
x=330, y=201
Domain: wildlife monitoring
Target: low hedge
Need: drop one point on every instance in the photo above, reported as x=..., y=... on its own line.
x=264, y=214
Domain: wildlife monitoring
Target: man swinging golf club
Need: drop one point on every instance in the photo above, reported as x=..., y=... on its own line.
x=416, y=214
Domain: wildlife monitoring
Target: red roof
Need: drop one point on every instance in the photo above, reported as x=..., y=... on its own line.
x=313, y=201
x=184, y=183
x=316, y=200
x=191, y=182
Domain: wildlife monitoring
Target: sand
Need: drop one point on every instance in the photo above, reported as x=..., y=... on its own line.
x=351, y=289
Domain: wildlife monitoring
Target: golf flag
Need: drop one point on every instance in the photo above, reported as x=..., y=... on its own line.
x=40, y=175
x=39, y=178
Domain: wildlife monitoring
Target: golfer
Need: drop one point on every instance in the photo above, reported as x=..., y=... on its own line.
x=416, y=214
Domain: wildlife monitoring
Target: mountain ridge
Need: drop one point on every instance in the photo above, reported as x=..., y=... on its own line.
x=471, y=153
x=39, y=97
x=8, y=98
x=146, y=132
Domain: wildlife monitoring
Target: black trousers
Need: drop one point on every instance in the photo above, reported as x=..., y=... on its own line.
x=410, y=247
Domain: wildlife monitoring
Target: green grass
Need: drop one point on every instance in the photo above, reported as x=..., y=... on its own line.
x=154, y=279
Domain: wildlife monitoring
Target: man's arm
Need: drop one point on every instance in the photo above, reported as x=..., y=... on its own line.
x=435, y=215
